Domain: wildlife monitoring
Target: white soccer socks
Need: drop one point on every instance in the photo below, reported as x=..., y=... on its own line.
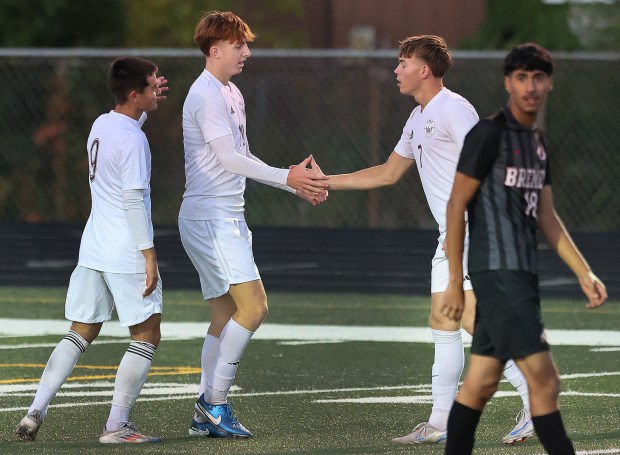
x=207, y=360
x=233, y=341
x=447, y=370
x=59, y=366
x=130, y=378
x=516, y=378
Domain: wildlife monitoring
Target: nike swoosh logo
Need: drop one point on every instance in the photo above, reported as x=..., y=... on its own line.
x=213, y=420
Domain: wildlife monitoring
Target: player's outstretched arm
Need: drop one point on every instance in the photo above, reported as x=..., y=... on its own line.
x=299, y=178
x=385, y=174
x=559, y=239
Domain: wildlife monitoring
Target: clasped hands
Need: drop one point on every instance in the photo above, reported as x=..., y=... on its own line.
x=309, y=182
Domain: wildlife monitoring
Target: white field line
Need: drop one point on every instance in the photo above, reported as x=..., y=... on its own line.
x=593, y=452
x=293, y=332
x=429, y=398
x=171, y=393
x=178, y=391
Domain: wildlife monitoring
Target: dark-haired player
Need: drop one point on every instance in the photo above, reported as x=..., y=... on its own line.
x=504, y=184
x=117, y=266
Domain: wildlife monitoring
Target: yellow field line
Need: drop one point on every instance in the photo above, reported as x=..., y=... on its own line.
x=154, y=371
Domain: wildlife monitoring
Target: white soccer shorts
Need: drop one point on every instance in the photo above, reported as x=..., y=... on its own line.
x=221, y=251
x=440, y=273
x=93, y=295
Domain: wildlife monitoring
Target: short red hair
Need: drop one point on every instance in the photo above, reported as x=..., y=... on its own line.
x=217, y=26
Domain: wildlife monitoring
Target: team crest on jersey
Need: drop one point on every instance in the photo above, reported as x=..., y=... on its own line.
x=542, y=154
x=429, y=128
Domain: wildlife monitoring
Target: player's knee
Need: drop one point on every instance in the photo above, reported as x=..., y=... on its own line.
x=548, y=385
x=486, y=390
x=254, y=313
x=262, y=310
x=87, y=331
x=477, y=392
x=152, y=336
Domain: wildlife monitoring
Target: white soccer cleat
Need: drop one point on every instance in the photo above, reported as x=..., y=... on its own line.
x=523, y=429
x=29, y=426
x=128, y=433
x=423, y=433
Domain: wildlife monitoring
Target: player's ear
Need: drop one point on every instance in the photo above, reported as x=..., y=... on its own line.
x=133, y=96
x=550, y=84
x=426, y=72
x=214, y=51
x=507, y=84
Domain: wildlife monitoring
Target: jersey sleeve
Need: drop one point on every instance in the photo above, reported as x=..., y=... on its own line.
x=134, y=168
x=459, y=120
x=404, y=147
x=211, y=115
x=480, y=149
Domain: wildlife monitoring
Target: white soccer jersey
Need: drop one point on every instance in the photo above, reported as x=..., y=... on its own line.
x=119, y=159
x=433, y=137
x=212, y=110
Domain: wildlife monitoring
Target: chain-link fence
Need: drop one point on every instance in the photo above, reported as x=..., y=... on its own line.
x=343, y=107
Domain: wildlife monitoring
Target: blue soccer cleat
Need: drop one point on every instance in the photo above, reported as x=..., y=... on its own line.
x=220, y=420
x=199, y=427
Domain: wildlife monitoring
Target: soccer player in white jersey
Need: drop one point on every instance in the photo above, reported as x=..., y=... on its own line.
x=432, y=139
x=211, y=219
x=117, y=266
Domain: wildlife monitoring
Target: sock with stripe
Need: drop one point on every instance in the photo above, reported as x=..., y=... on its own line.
x=513, y=374
x=447, y=369
x=130, y=378
x=233, y=341
x=59, y=366
x=552, y=435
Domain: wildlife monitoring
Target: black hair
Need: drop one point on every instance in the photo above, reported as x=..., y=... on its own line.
x=528, y=57
x=127, y=74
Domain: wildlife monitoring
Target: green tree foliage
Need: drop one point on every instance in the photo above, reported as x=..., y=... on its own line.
x=62, y=23
x=170, y=23
x=510, y=22
x=140, y=23
x=596, y=25
x=568, y=26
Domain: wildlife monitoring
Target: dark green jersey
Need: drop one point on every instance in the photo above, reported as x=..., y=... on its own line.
x=512, y=165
